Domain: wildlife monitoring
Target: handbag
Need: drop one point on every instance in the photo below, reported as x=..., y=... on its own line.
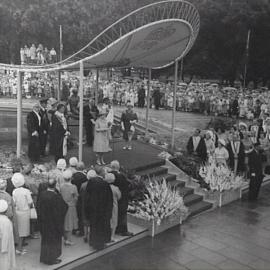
x=33, y=213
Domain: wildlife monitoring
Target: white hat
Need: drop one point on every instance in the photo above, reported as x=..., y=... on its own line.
x=73, y=162
x=109, y=178
x=115, y=165
x=17, y=180
x=3, y=206
x=67, y=174
x=242, y=124
x=61, y=164
x=222, y=141
x=91, y=174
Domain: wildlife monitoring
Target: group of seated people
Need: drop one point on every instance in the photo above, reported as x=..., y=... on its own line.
x=92, y=204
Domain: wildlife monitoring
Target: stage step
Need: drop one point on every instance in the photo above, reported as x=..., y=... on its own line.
x=157, y=171
x=199, y=207
x=150, y=166
x=185, y=191
x=177, y=184
x=192, y=199
x=168, y=177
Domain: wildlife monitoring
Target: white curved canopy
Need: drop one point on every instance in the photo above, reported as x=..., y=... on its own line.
x=153, y=36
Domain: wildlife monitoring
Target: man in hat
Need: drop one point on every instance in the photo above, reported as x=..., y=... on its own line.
x=51, y=209
x=44, y=126
x=7, y=248
x=33, y=127
x=255, y=169
x=90, y=113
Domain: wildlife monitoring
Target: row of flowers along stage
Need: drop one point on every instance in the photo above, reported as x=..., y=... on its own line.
x=161, y=196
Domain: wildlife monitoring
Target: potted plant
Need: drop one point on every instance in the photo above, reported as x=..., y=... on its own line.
x=161, y=208
x=224, y=185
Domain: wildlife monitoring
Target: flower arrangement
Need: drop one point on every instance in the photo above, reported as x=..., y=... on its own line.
x=160, y=201
x=220, y=177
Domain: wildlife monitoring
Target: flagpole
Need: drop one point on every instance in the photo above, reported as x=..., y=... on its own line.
x=60, y=59
x=174, y=104
x=246, y=60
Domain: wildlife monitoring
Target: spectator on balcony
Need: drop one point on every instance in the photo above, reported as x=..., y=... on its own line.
x=33, y=53
x=53, y=55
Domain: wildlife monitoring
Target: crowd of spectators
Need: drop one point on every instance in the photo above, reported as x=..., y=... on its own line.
x=210, y=99
x=205, y=98
x=37, y=55
x=73, y=201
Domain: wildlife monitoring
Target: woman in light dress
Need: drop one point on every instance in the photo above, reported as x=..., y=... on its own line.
x=58, y=172
x=101, y=138
x=23, y=203
x=7, y=249
x=209, y=142
x=221, y=153
x=70, y=195
x=110, y=178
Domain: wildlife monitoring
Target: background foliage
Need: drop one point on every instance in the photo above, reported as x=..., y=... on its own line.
x=219, y=52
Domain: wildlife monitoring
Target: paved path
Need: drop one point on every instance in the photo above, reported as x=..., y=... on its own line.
x=235, y=237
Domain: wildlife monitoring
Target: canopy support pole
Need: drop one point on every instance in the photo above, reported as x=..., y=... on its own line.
x=148, y=103
x=174, y=103
x=97, y=88
x=81, y=114
x=19, y=113
x=60, y=59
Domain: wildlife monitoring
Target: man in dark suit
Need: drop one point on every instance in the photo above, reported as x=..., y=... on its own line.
x=256, y=129
x=90, y=112
x=256, y=173
x=236, y=151
x=33, y=128
x=196, y=145
x=44, y=126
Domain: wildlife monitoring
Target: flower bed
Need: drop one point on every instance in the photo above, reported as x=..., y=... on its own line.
x=161, y=208
x=224, y=185
x=222, y=198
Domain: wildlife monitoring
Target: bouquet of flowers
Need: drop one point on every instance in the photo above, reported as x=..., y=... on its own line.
x=220, y=177
x=160, y=202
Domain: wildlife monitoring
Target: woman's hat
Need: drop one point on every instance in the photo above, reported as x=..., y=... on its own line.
x=3, y=206
x=67, y=174
x=109, y=178
x=17, y=180
x=242, y=124
x=91, y=174
x=73, y=161
x=61, y=164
